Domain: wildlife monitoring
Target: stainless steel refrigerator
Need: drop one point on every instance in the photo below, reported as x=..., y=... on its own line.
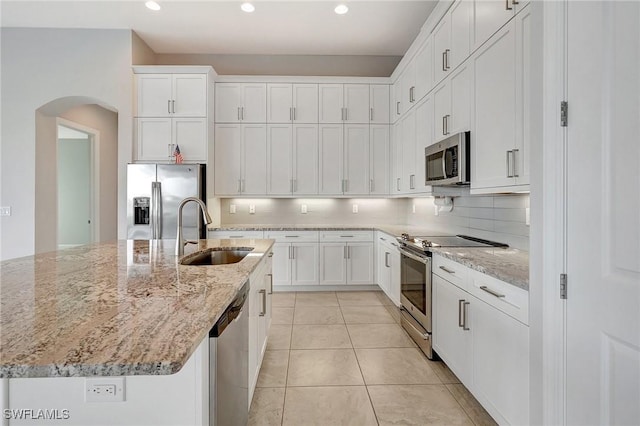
x=154, y=192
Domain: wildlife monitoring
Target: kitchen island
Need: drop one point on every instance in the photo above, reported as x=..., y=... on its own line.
x=125, y=308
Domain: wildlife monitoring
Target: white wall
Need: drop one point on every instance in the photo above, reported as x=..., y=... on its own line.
x=96, y=65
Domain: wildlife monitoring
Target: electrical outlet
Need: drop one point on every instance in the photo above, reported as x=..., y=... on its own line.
x=104, y=389
x=355, y=208
x=527, y=216
x=303, y=209
x=252, y=209
x=5, y=211
x=232, y=209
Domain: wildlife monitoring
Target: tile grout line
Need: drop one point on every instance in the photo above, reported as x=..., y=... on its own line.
x=286, y=379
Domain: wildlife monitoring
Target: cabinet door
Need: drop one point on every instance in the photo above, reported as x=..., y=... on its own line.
x=396, y=101
x=281, y=264
x=228, y=102
x=396, y=158
x=383, y=265
x=153, y=139
x=304, y=267
x=379, y=159
x=330, y=103
x=279, y=159
x=494, y=111
x=394, y=284
x=356, y=159
x=452, y=342
x=379, y=99
x=189, y=95
x=360, y=263
x=501, y=364
x=228, y=155
x=424, y=69
x=523, y=96
x=305, y=159
x=279, y=103
x=333, y=263
x=305, y=103
x=461, y=18
x=254, y=103
x=356, y=103
x=408, y=182
x=460, y=83
x=441, y=48
x=441, y=110
x=191, y=135
x=408, y=82
x=154, y=95
x=424, y=138
x=489, y=16
x=331, y=159
x=254, y=159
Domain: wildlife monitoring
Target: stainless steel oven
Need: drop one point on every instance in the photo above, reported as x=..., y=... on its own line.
x=415, y=297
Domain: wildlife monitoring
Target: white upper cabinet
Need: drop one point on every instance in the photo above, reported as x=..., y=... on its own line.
x=379, y=103
x=452, y=100
x=407, y=86
x=356, y=103
x=331, y=158
x=153, y=139
x=423, y=70
x=356, y=159
x=379, y=159
x=408, y=181
x=241, y=102
x=500, y=110
x=279, y=159
x=396, y=100
x=305, y=159
x=396, y=159
x=424, y=138
x=344, y=103
x=452, y=38
x=491, y=15
x=190, y=134
x=254, y=159
x=330, y=103
x=297, y=103
x=171, y=95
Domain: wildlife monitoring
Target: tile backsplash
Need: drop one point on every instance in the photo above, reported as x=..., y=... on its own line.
x=499, y=218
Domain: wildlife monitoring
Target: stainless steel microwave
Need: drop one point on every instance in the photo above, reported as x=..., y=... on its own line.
x=448, y=162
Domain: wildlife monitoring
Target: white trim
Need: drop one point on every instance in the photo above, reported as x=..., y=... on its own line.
x=301, y=79
x=174, y=69
x=554, y=180
x=94, y=143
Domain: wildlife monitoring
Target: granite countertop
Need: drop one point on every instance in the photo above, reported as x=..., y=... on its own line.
x=113, y=309
x=509, y=265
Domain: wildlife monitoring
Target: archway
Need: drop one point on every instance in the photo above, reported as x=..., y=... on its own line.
x=90, y=114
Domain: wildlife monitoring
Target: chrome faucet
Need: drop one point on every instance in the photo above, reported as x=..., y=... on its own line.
x=180, y=242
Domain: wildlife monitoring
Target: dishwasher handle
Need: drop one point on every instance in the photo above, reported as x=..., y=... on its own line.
x=233, y=312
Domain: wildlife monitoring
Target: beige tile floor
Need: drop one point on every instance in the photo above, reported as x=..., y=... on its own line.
x=341, y=358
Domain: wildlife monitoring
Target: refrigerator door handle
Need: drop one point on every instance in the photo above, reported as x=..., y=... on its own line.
x=154, y=209
x=159, y=209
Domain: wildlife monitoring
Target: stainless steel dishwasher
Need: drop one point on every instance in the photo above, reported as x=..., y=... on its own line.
x=229, y=364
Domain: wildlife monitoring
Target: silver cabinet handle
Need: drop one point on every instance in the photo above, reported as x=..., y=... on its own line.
x=491, y=292
x=295, y=185
x=386, y=259
x=507, y=6
x=169, y=106
x=509, y=164
x=173, y=106
x=346, y=185
x=371, y=185
x=460, y=309
x=515, y=163
x=290, y=185
x=397, y=108
x=295, y=109
x=270, y=283
x=292, y=236
x=398, y=184
x=515, y=2
x=444, y=124
x=370, y=114
x=446, y=56
x=346, y=236
x=243, y=185
x=412, y=179
x=264, y=302
x=464, y=314
x=444, y=59
x=348, y=252
x=447, y=122
x=290, y=252
x=242, y=113
x=447, y=270
x=344, y=252
x=290, y=113
x=239, y=185
x=346, y=114
x=238, y=113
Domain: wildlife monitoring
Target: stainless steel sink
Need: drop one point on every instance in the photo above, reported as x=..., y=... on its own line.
x=216, y=256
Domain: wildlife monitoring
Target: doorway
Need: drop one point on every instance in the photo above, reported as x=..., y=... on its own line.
x=77, y=184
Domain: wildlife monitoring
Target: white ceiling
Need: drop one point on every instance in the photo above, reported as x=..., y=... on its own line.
x=303, y=27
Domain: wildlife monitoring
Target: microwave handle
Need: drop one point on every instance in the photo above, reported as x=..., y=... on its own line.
x=444, y=164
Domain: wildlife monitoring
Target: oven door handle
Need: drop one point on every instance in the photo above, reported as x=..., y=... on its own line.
x=414, y=324
x=425, y=260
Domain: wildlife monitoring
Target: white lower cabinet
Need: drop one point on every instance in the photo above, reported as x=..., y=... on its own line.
x=388, y=267
x=295, y=257
x=484, y=346
x=259, y=319
x=346, y=257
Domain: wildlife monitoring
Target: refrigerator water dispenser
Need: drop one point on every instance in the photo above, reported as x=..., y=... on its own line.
x=141, y=210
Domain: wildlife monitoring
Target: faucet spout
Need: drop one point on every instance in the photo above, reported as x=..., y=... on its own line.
x=180, y=243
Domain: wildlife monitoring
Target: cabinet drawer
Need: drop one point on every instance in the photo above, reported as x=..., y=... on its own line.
x=346, y=236
x=223, y=235
x=451, y=271
x=292, y=236
x=511, y=300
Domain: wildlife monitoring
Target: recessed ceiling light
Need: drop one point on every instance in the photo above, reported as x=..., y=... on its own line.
x=152, y=5
x=341, y=9
x=247, y=7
